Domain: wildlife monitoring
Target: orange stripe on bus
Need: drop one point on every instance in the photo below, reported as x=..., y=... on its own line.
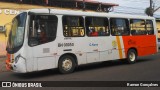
x=119, y=47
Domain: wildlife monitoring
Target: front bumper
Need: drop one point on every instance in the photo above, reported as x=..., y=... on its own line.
x=8, y=65
x=19, y=67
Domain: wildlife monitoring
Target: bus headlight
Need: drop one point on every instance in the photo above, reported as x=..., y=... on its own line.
x=19, y=64
x=17, y=58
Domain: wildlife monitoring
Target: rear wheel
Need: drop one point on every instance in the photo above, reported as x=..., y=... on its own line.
x=66, y=64
x=131, y=56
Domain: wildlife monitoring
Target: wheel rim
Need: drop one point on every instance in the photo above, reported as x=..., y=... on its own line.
x=67, y=64
x=132, y=56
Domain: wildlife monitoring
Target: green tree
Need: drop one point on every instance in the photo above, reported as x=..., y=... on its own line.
x=149, y=11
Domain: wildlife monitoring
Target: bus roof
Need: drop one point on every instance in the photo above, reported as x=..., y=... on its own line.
x=86, y=13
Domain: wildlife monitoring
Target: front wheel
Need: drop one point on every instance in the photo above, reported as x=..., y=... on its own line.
x=66, y=64
x=131, y=56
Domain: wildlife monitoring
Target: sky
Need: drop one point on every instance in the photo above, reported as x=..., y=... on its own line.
x=133, y=6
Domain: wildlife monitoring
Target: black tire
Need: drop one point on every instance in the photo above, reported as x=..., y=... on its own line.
x=66, y=64
x=131, y=56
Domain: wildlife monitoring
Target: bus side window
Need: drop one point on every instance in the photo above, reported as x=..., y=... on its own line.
x=119, y=26
x=149, y=27
x=97, y=26
x=137, y=27
x=73, y=26
x=43, y=29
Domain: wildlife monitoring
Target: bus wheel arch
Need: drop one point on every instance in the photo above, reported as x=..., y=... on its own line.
x=67, y=63
x=132, y=54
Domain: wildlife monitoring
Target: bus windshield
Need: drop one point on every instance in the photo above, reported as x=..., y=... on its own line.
x=16, y=35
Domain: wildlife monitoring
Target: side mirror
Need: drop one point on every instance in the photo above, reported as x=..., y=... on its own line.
x=7, y=28
x=3, y=30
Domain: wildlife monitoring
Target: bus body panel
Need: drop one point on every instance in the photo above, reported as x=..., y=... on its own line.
x=145, y=45
x=88, y=50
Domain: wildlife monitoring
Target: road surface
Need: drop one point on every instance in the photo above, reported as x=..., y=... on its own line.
x=145, y=69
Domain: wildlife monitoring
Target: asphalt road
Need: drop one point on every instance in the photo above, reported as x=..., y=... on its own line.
x=145, y=69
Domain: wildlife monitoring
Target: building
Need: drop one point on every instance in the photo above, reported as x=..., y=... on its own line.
x=10, y=8
x=7, y=12
x=158, y=27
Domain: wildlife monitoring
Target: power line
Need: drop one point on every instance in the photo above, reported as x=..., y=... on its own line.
x=126, y=7
x=136, y=1
x=136, y=10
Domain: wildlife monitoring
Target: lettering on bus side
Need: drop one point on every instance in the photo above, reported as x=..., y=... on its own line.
x=131, y=42
x=65, y=44
x=93, y=44
x=67, y=38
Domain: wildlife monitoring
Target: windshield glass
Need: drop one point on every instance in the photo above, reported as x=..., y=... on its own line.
x=16, y=36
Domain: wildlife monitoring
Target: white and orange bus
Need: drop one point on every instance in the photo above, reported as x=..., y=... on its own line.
x=43, y=39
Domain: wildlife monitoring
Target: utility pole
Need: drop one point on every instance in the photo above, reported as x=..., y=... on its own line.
x=151, y=3
x=151, y=10
x=84, y=5
x=152, y=7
